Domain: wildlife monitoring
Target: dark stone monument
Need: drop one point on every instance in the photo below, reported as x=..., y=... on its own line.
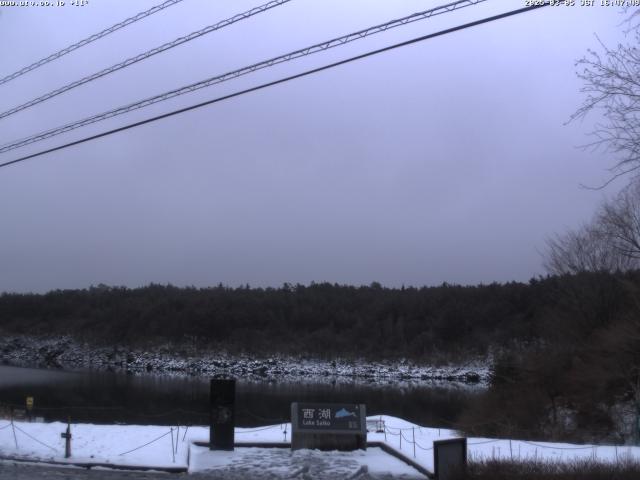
x=449, y=456
x=223, y=414
x=328, y=426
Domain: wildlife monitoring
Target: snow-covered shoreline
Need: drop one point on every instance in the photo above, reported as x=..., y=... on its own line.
x=158, y=447
x=66, y=353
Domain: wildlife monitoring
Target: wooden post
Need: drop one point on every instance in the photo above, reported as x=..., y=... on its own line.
x=67, y=439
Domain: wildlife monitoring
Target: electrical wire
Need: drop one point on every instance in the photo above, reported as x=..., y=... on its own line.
x=279, y=81
x=88, y=40
x=335, y=42
x=143, y=56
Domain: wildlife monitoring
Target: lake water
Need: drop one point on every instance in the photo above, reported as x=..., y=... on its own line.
x=106, y=397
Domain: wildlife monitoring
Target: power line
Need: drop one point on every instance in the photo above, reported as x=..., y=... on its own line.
x=242, y=71
x=282, y=80
x=88, y=40
x=143, y=56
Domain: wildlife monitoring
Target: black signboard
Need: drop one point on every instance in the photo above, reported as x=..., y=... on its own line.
x=222, y=428
x=449, y=457
x=325, y=416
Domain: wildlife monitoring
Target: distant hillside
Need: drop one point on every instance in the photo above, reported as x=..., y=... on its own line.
x=323, y=319
x=565, y=349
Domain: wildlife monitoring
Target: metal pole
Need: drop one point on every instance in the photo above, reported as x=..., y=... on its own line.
x=15, y=438
x=177, y=437
x=172, y=452
x=413, y=432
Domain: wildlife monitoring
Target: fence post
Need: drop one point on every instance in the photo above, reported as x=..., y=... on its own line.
x=177, y=437
x=172, y=452
x=15, y=438
x=67, y=439
x=400, y=439
x=413, y=432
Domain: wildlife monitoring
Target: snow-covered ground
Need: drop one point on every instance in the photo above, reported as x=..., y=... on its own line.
x=283, y=463
x=64, y=352
x=160, y=446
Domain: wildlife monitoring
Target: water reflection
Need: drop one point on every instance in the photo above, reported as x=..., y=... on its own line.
x=105, y=397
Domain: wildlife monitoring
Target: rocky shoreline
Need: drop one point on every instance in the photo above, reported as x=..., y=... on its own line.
x=66, y=353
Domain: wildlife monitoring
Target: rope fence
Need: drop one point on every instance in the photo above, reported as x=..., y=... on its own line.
x=148, y=443
x=270, y=427
x=426, y=449
x=174, y=441
x=32, y=437
x=405, y=434
x=466, y=429
x=485, y=442
x=412, y=443
x=559, y=448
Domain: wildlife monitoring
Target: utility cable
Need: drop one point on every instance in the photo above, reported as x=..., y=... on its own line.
x=243, y=71
x=279, y=81
x=88, y=40
x=144, y=55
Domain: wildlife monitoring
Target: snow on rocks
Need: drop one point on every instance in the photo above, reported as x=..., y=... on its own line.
x=65, y=352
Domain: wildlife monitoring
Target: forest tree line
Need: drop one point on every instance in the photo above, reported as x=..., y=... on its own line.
x=324, y=319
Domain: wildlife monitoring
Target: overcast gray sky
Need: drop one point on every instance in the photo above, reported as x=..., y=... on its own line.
x=446, y=160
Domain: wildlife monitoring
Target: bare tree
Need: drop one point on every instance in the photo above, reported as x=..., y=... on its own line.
x=610, y=242
x=612, y=84
x=619, y=222
x=582, y=250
